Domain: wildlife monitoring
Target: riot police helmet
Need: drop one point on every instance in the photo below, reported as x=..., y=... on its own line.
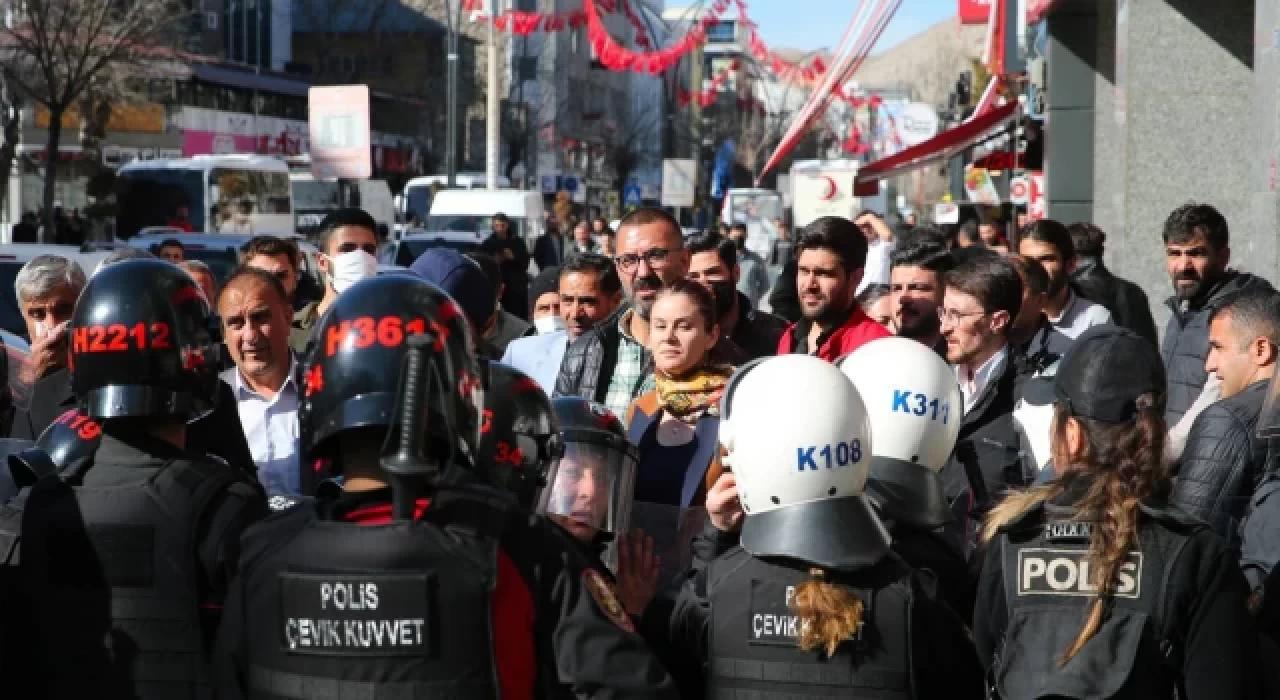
x=143, y=344
x=913, y=403
x=519, y=434
x=351, y=378
x=589, y=491
x=796, y=434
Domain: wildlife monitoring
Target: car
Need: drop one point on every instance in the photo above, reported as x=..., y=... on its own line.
x=221, y=252
x=411, y=245
x=14, y=255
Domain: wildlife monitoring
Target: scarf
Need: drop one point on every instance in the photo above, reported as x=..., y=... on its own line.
x=695, y=394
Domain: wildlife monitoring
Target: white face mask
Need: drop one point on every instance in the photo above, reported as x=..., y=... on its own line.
x=549, y=324
x=348, y=268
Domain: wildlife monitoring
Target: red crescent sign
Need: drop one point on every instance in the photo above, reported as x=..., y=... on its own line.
x=831, y=188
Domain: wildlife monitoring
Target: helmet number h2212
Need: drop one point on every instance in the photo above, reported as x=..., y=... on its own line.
x=906, y=401
x=841, y=454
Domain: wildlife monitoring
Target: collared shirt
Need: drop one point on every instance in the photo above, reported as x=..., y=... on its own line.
x=271, y=427
x=975, y=381
x=631, y=378
x=1079, y=315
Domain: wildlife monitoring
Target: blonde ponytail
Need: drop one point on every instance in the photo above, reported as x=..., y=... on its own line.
x=829, y=614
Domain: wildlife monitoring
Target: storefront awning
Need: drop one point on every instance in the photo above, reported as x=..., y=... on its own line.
x=251, y=81
x=978, y=129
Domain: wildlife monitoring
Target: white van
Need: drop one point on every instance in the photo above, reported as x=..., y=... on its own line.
x=415, y=201
x=471, y=211
x=313, y=199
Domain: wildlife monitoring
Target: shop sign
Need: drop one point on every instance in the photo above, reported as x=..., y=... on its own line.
x=139, y=118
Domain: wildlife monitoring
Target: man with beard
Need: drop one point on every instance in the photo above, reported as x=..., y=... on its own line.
x=915, y=285
x=714, y=263
x=610, y=364
x=1197, y=250
x=1049, y=243
x=830, y=257
x=753, y=278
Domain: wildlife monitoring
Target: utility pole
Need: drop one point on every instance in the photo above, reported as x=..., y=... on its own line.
x=262, y=54
x=453, y=17
x=492, y=106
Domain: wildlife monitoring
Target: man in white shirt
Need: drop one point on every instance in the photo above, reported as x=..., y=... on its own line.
x=1049, y=243
x=257, y=319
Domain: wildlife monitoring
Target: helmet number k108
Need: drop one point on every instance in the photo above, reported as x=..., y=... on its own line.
x=841, y=454
x=905, y=401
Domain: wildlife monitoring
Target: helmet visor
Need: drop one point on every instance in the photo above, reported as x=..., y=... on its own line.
x=589, y=490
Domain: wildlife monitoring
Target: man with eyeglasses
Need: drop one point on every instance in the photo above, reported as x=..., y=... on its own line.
x=610, y=364
x=983, y=297
x=348, y=249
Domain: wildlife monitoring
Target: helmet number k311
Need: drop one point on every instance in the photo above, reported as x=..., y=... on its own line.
x=905, y=401
x=841, y=454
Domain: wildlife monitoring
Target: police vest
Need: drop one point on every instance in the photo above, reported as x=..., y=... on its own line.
x=395, y=610
x=110, y=574
x=754, y=635
x=1048, y=589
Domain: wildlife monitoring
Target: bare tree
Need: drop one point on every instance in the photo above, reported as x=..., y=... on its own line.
x=10, y=131
x=56, y=49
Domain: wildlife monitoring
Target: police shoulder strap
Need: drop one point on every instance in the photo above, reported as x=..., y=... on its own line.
x=1174, y=518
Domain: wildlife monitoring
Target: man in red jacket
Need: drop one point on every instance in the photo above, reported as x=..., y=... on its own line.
x=830, y=255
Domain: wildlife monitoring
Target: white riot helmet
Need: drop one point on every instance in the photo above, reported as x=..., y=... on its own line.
x=796, y=435
x=915, y=409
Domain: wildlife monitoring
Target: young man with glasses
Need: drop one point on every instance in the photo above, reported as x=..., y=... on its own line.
x=983, y=297
x=610, y=364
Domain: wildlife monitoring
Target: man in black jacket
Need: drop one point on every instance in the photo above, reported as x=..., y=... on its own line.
x=512, y=254
x=1092, y=280
x=1224, y=459
x=1197, y=251
x=714, y=263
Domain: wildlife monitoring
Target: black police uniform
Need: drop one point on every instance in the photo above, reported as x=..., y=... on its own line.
x=463, y=596
x=123, y=561
x=1177, y=618
x=735, y=615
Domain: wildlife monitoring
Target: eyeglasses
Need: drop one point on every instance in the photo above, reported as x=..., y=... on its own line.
x=953, y=316
x=655, y=257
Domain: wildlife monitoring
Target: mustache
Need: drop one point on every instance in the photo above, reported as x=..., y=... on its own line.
x=1190, y=276
x=646, y=284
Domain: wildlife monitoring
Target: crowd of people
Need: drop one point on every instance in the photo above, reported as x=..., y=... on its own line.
x=944, y=464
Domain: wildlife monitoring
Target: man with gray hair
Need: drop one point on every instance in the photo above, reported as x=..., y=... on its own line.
x=47, y=288
x=1224, y=459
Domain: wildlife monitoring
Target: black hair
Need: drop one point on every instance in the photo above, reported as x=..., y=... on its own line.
x=1253, y=313
x=652, y=215
x=712, y=241
x=992, y=280
x=270, y=246
x=1033, y=274
x=969, y=231
x=924, y=233
x=1191, y=220
x=738, y=226
x=171, y=243
x=489, y=267
x=594, y=264
x=349, y=216
x=246, y=272
x=873, y=293
x=1053, y=233
x=926, y=255
x=1088, y=239
x=838, y=235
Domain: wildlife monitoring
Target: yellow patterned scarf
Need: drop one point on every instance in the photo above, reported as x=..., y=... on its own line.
x=695, y=394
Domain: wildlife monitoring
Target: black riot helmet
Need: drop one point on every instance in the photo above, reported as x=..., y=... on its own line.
x=351, y=378
x=143, y=344
x=519, y=434
x=66, y=446
x=590, y=489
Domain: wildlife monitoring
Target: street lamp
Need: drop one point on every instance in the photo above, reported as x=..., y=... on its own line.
x=453, y=17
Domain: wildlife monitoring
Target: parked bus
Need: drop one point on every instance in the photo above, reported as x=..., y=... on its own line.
x=221, y=194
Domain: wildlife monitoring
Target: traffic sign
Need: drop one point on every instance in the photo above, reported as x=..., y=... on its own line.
x=631, y=195
x=1037, y=202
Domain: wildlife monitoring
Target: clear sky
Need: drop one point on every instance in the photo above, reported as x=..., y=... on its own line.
x=814, y=24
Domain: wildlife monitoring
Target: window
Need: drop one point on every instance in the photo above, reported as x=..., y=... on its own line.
x=211, y=21
x=721, y=33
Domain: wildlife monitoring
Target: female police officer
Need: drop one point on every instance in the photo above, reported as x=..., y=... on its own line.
x=813, y=602
x=1092, y=586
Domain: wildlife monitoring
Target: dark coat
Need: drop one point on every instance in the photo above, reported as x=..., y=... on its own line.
x=550, y=250
x=784, y=300
x=757, y=332
x=515, y=272
x=1223, y=462
x=1125, y=300
x=1186, y=341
